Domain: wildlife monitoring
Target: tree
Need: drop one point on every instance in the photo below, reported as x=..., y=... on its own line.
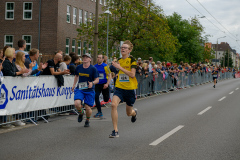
x=188, y=33
x=208, y=53
x=145, y=26
x=224, y=60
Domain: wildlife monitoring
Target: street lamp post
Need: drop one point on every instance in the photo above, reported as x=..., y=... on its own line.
x=107, y=12
x=217, y=49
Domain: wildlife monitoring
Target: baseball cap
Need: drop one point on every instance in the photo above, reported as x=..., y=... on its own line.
x=87, y=54
x=139, y=58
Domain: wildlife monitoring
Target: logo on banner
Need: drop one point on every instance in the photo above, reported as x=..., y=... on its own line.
x=4, y=97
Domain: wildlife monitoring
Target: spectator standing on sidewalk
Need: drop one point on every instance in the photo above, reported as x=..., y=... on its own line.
x=9, y=67
x=21, y=47
x=20, y=59
x=125, y=86
x=53, y=66
x=73, y=64
x=66, y=61
x=2, y=58
x=33, y=57
x=86, y=75
x=103, y=85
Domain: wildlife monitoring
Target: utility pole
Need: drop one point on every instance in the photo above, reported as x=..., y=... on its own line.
x=95, y=40
x=228, y=56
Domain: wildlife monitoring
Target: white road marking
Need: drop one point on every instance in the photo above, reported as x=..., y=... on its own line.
x=237, y=88
x=222, y=99
x=205, y=110
x=166, y=136
x=231, y=92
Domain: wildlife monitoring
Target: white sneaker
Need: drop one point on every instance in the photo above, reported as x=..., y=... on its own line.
x=19, y=123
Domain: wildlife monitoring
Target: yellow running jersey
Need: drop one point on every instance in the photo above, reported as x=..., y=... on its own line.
x=124, y=81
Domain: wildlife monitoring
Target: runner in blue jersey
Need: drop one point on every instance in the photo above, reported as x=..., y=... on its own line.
x=215, y=76
x=87, y=76
x=103, y=85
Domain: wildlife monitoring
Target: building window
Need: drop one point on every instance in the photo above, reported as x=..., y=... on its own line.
x=80, y=16
x=74, y=15
x=101, y=1
x=90, y=48
x=73, y=45
x=67, y=46
x=79, y=47
x=27, y=10
x=84, y=47
x=68, y=13
x=91, y=18
x=9, y=15
x=28, y=40
x=105, y=3
x=8, y=40
x=85, y=17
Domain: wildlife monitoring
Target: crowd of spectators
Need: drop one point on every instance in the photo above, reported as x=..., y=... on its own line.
x=22, y=63
x=144, y=67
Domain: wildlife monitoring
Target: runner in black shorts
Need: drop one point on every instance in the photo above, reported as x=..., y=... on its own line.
x=125, y=86
x=215, y=76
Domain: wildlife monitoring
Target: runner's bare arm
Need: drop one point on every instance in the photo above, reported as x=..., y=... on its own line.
x=75, y=81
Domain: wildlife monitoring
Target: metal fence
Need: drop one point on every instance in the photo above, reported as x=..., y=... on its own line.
x=148, y=85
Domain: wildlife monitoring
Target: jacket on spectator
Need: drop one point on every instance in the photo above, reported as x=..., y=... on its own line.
x=60, y=80
x=9, y=69
x=72, y=68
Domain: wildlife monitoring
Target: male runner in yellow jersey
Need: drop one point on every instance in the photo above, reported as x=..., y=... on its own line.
x=125, y=86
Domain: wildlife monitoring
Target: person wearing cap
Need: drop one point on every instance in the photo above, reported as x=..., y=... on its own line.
x=86, y=75
x=139, y=59
x=103, y=85
x=125, y=86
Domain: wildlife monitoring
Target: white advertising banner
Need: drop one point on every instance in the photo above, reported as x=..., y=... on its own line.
x=24, y=94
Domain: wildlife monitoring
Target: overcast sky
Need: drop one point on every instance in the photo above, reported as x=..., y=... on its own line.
x=227, y=12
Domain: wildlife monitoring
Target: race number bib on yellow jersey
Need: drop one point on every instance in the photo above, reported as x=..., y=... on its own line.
x=124, y=81
x=123, y=78
x=83, y=85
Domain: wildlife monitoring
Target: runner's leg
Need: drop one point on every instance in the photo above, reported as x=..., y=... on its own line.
x=116, y=100
x=130, y=111
x=97, y=94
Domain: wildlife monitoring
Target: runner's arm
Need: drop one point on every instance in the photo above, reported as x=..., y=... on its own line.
x=75, y=81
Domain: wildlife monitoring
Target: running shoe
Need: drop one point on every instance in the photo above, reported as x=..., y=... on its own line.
x=114, y=134
x=96, y=115
x=80, y=118
x=214, y=86
x=86, y=123
x=134, y=118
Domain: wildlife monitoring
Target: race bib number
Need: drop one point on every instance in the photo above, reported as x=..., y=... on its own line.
x=123, y=78
x=215, y=75
x=83, y=85
x=101, y=76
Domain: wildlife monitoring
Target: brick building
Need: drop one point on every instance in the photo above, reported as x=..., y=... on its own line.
x=49, y=25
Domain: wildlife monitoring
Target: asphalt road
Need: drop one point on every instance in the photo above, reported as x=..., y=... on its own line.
x=199, y=123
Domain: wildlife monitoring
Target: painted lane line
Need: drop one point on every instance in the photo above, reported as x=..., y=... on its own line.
x=166, y=136
x=222, y=99
x=231, y=92
x=205, y=110
x=237, y=88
